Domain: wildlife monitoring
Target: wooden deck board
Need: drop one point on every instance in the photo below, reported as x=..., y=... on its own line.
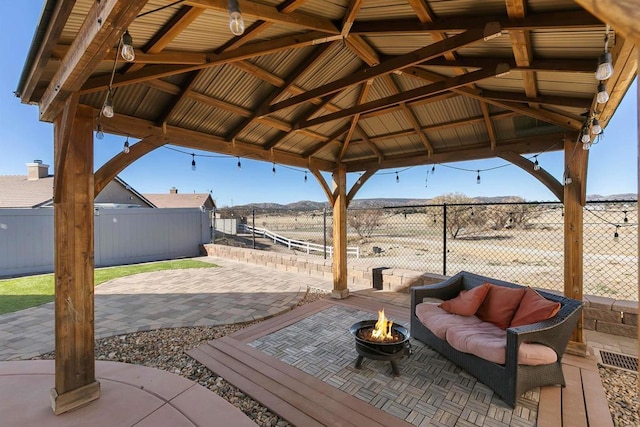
x=574, y=413
x=550, y=407
x=598, y=414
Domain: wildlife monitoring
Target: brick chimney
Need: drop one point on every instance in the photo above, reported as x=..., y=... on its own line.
x=37, y=170
x=173, y=190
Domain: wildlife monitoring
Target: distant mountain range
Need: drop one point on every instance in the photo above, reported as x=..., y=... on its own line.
x=307, y=205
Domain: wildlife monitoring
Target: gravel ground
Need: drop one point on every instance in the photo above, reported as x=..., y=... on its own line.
x=165, y=349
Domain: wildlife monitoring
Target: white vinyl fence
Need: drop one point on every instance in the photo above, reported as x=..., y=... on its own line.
x=122, y=236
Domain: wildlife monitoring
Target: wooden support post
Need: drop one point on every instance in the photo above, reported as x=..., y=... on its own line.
x=340, y=289
x=574, y=200
x=75, y=383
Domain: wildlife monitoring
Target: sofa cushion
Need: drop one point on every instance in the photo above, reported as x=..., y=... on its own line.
x=534, y=308
x=438, y=321
x=467, y=302
x=500, y=305
x=489, y=342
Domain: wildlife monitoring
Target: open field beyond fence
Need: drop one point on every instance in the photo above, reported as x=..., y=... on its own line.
x=520, y=242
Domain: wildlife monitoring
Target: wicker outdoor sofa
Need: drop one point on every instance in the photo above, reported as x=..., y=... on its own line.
x=511, y=379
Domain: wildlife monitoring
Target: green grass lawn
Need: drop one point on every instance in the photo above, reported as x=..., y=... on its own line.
x=24, y=292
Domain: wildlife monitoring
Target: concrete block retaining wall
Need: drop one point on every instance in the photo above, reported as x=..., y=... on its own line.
x=601, y=314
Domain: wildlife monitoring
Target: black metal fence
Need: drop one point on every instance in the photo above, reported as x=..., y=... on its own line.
x=519, y=242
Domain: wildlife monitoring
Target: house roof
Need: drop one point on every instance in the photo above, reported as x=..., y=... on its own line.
x=16, y=191
x=194, y=200
x=317, y=84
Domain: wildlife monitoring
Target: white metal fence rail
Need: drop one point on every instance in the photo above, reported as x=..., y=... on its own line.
x=122, y=236
x=307, y=247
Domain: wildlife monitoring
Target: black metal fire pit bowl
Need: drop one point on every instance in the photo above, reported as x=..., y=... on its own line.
x=391, y=351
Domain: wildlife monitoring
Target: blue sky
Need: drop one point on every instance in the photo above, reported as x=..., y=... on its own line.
x=612, y=164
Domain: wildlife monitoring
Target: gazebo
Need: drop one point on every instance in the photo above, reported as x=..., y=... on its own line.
x=341, y=86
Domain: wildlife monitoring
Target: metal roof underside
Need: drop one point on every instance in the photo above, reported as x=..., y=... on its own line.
x=316, y=83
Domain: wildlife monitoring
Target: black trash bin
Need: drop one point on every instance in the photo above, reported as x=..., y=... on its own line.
x=377, y=277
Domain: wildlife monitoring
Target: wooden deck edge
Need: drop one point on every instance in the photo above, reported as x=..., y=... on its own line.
x=311, y=387
x=237, y=377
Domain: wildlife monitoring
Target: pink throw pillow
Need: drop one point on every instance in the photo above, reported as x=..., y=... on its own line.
x=500, y=305
x=467, y=302
x=534, y=308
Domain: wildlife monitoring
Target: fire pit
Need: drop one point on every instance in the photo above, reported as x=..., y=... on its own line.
x=380, y=340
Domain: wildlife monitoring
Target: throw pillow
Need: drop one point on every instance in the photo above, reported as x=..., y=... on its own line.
x=467, y=302
x=534, y=308
x=500, y=305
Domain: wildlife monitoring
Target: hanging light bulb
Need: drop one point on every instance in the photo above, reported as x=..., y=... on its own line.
x=586, y=146
x=125, y=149
x=305, y=176
x=193, y=162
x=107, y=107
x=99, y=131
x=397, y=178
x=567, y=179
x=273, y=169
x=359, y=181
x=236, y=23
x=433, y=169
x=239, y=164
x=605, y=69
x=603, y=95
x=536, y=165
x=586, y=137
x=128, y=54
x=616, y=236
x=478, y=178
x=625, y=217
x=596, y=129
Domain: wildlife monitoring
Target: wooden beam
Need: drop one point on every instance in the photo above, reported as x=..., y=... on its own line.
x=172, y=29
x=334, y=136
x=253, y=50
x=521, y=46
x=407, y=96
x=56, y=23
x=302, y=67
x=623, y=16
x=364, y=93
x=323, y=183
x=576, y=160
x=271, y=14
x=386, y=67
x=75, y=382
x=561, y=101
x=566, y=65
x=140, y=128
x=120, y=161
x=340, y=289
x=527, y=145
x=363, y=50
x=579, y=19
x=541, y=175
x=360, y=182
x=568, y=122
x=350, y=16
x=64, y=126
x=99, y=32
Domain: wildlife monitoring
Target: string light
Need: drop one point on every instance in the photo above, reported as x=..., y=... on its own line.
x=603, y=95
x=239, y=164
x=596, y=129
x=125, y=149
x=236, y=23
x=567, y=179
x=397, y=178
x=305, y=176
x=616, y=235
x=478, y=178
x=359, y=181
x=99, y=131
x=433, y=169
x=625, y=217
x=273, y=169
x=193, y=162
x=586, y=136
x=107, y=107
x=605, y=68
x=128, y=54
x=536, y=165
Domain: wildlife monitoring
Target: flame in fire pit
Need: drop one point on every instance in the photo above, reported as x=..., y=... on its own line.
x=382, y=330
